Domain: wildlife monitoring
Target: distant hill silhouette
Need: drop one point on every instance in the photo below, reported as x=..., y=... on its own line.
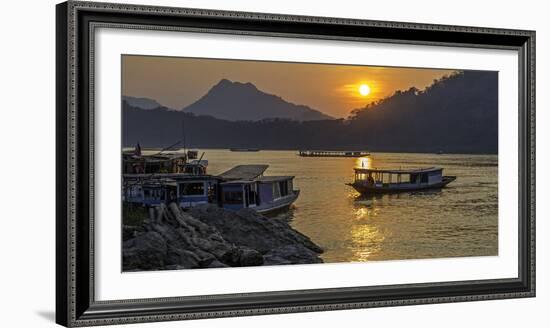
x=235, y=101
x=456, y=114
x=143, y=103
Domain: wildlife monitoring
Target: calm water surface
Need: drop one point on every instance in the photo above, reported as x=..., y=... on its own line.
x=460, y=220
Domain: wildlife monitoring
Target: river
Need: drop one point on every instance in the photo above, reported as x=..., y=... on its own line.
x=459, y=220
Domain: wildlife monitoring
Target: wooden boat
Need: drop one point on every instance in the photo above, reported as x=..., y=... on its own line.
x=246, y=186
x=244, y=172
x=266, y=195
x=332, y=153
x=134, y=162
x=185, y=189
x=243, y=186
x=376, y=181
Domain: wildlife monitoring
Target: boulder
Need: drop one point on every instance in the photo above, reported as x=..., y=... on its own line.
x=249, y=228
x=145, y=252
x=211, y=237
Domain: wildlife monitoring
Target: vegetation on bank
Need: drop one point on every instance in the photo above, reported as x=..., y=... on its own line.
x=133, y=215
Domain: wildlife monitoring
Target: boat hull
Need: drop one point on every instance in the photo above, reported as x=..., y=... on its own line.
x=278, y=206
x=396, y=188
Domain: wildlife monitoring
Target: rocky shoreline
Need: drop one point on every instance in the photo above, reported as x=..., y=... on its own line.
x=210, y=237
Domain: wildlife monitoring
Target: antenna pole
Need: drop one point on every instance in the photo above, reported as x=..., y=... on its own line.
x=183, y=135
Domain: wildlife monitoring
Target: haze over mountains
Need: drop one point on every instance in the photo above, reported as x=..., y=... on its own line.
x=236, y=101
x=456, y=114
x=143, y=103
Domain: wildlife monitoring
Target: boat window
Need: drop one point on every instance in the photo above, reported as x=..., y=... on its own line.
x=192, y=189
x=424, y=178
x=283, y=188
x=212, y=193
x=290, y=187
x=276, y=190
x=233, y=197
x=253, y=194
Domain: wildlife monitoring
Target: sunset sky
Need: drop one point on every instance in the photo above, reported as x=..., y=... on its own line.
x=332, y=89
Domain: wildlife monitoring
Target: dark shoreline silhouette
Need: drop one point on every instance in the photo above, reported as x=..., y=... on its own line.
x=456, y=114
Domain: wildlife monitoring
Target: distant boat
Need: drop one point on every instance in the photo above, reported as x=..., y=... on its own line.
x=244, y=149
x=375, y=181
x=332, y=153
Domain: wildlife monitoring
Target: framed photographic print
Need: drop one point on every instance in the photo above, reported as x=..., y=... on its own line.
x=214, y=163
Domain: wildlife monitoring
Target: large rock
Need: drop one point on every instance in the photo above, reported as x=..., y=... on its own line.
x=145, y=252
x=210, y=237
x=291, y=254
x=249, y=228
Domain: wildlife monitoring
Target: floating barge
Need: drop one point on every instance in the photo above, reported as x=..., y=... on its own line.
x=332, y=153
x=377, y=181
x=244, y=149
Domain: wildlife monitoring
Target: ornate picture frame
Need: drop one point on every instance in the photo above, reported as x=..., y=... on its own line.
x=76, y=304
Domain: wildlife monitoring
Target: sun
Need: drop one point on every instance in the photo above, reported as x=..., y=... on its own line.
x=364, y=90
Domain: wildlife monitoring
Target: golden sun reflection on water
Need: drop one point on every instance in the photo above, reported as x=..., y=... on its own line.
x=364, y=162
x=367, y=241
x=460, y=220
x=365, y=236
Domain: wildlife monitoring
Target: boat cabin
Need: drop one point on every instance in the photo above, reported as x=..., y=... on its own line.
x=265, y=194
x=186, y=190
x=150, y=193
x=413, y=176
x=151, y=164
x=239, y=194
x=195, y=167
x=134, y=162
x=395, y=180
x=197, y=190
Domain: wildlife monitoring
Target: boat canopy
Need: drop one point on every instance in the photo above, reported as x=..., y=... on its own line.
x=244, y=172
x=399, y=171
x=275, y=178
x=173, y=176
x=262, y=179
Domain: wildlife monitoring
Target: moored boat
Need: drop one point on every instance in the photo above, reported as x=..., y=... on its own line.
x=243, y=186
x=266, y=195
x=374, y=181
x=246, y=186
x=134, y=162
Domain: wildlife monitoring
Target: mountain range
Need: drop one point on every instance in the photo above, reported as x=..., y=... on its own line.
x=236, y=101
x=456, y=114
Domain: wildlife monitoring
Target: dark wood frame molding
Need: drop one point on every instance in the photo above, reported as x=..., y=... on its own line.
x=75, y=302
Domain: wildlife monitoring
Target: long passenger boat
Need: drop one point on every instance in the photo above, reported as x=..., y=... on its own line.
x=376, y=181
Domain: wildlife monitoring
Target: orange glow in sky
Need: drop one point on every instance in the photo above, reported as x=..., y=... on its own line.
x=333, y=89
